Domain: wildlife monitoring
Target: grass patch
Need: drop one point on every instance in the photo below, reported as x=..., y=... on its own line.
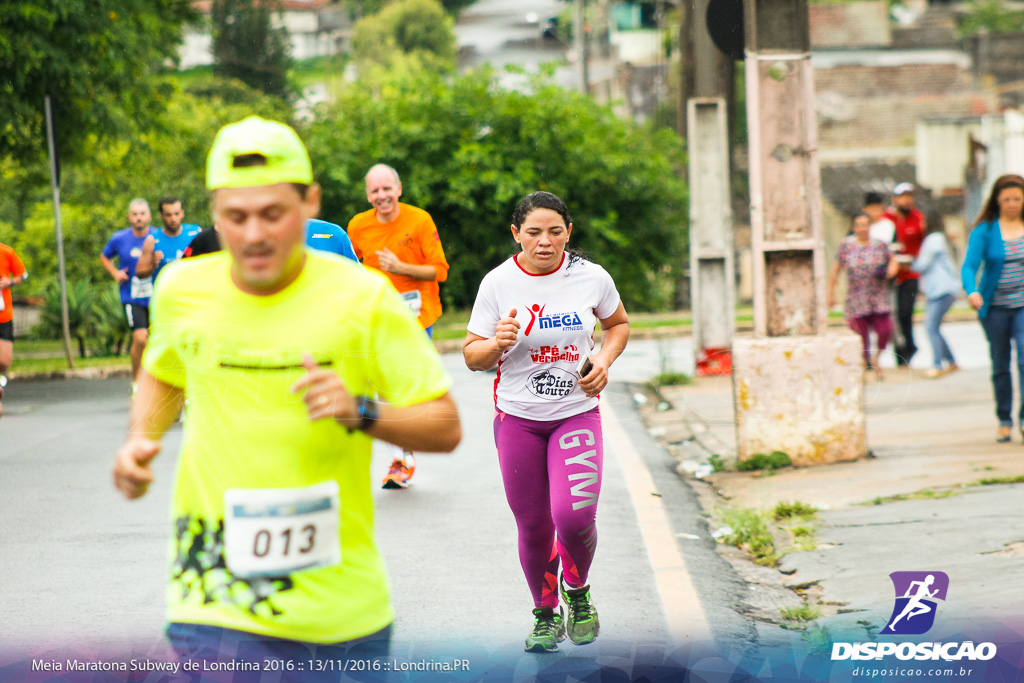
x=801, y=534
x=796, y=509
x=671, y=379
x=764, y=461
x=23, y=345
x=47, y=365
x=654, y=321
x=1018, y=479
x=818, y=639
x=923, y=494
x=750, y=533
x=716, y=462
x=801, y=614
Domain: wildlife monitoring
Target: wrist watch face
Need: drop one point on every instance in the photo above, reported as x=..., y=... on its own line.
x=3, y=381
x=368, y=410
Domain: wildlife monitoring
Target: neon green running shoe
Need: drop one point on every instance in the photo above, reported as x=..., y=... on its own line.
x=583, y=624
x=548, y=630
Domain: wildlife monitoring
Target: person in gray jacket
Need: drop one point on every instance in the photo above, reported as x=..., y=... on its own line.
x=939, y=284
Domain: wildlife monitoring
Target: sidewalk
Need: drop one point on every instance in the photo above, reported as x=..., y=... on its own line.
x=929, y=439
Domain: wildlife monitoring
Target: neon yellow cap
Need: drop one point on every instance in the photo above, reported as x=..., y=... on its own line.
x=287, y=160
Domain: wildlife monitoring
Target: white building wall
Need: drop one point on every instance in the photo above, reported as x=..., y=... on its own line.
x=639, y=46
x=943, y=151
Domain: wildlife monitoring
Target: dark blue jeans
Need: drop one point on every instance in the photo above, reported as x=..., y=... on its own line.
x=252, y=658
x=1005, y=327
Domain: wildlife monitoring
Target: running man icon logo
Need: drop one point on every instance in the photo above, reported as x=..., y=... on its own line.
x=916, y=595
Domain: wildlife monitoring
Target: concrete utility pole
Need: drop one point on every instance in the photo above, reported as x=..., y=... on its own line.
x=705, y=71
x=579, y=34
x=797, y=389
x=712, y=274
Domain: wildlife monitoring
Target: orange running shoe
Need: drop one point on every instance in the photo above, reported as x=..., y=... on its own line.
x=400, y=472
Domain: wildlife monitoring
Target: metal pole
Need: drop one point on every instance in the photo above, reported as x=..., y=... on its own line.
x=62, y=273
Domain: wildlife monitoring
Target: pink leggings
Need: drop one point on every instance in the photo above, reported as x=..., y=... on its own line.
x=552, y=475
x=881, y=323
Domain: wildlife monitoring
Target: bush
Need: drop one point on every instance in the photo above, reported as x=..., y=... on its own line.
x=94, y=317
x=772, y=461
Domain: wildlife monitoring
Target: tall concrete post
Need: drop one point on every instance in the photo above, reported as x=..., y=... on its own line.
x=712, y=274
x=798, y=389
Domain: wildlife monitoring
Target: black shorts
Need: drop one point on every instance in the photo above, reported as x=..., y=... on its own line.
x=137, y=316
x=7, y=331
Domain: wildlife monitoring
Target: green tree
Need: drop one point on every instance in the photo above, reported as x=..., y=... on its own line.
x=407, y=30
x=95, y=59
x=467, y=151
x=990, y=16
x=248, y=47
x=168, y=160
x=364, y=8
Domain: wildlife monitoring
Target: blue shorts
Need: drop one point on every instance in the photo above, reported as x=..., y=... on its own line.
x=254, y=657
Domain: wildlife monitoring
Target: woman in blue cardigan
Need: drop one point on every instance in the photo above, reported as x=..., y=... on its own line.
x=997, y=241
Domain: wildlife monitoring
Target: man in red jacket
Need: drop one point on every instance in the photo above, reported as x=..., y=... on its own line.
x=909, y=235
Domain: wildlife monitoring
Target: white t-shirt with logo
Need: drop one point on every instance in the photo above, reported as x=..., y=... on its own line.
x=557, y=312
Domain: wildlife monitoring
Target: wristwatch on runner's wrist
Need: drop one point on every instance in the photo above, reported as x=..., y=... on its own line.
x=368, y=411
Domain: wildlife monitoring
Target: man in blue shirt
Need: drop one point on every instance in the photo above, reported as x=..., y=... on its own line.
x=324, y=236
x=168, y=244
x=126, y=245
x=320, y=235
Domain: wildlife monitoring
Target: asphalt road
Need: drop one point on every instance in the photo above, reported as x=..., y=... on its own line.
x=84, y=569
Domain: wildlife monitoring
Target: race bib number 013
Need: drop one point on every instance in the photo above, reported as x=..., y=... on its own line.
x=274, y=532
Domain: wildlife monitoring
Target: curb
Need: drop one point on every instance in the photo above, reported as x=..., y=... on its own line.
x=77, y=373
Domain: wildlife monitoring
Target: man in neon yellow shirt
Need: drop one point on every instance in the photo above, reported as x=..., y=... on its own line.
x=280, y=350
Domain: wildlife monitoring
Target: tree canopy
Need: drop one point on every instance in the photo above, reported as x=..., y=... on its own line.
x=96, y=188
x=416, y=30
x=94, y=59
x=248, y=47
x=467, y=151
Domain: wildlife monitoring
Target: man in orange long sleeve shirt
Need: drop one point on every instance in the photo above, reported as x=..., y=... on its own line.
x=401, y=241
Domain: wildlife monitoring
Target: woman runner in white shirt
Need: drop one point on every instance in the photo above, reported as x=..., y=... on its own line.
x=534, y=318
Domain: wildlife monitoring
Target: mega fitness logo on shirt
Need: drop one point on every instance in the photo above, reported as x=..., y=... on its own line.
x=569, y=322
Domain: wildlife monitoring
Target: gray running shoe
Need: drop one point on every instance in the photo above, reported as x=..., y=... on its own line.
x=583, y=624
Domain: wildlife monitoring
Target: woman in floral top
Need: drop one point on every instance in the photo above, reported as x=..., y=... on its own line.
x=868, y=263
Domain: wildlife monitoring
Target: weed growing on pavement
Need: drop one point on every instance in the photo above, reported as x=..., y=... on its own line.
x=795, y=509
x=801, y=614
x=1019, y=479
x=819, y=638
x=717, y=463
x=765, y=461
x=750, y=533
x=923, y=494
x=803, y=539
